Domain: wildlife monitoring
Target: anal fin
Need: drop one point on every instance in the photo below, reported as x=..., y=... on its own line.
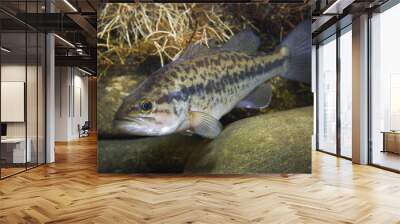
x=259, y=98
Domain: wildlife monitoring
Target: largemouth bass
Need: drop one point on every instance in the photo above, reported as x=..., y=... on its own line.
x=193, y=92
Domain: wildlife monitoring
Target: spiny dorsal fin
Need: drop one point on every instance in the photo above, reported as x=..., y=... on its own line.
x=204, y=124
x=246, y=41
x=260, y=98
x=194, y=50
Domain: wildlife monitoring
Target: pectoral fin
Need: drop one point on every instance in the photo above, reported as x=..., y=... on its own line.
x=260, y=98
x=204, y=125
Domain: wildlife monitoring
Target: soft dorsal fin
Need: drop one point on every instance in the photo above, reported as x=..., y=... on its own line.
x=246, y=41
x=260, y=98
x=194, y=50
x=204, y=124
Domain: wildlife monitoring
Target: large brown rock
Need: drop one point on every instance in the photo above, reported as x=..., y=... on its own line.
x=278, y=142
x=165, y=154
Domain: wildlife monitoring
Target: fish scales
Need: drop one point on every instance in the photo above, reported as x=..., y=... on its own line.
x=221, y=79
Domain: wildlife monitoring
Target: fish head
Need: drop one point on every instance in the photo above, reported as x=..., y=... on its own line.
x=149, y=111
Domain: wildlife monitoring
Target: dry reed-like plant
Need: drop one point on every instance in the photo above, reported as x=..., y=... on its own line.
x=160, y=29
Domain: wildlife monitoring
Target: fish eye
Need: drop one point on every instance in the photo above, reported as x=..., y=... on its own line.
x=146, y=106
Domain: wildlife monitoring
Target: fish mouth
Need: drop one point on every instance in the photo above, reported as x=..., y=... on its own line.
x=133, y=126
x=125, y=124
x=127, y=119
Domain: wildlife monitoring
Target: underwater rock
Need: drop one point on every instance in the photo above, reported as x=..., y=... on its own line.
x=165, y=154
x=278, y=142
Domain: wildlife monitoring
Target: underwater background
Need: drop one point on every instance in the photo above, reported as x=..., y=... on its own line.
x=136, y=39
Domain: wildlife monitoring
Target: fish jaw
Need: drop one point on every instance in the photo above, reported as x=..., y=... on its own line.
x=141, y=128
x=163, y=120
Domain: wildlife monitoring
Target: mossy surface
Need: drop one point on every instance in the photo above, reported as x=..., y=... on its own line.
x=278, y=142
x=166, y=154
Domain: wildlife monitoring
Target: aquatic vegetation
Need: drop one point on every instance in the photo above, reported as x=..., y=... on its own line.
x=130, y=33
x=164, y=30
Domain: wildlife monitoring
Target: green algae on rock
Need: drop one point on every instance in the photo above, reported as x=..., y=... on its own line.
x=164, y=154
x=277, y=142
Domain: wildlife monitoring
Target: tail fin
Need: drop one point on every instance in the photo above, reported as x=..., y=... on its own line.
x=298, y=43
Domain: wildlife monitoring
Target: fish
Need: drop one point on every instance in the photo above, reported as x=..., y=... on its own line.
x=190, y=95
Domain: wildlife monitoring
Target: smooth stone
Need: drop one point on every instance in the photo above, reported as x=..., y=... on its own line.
x=278, y=142
x=164, y=154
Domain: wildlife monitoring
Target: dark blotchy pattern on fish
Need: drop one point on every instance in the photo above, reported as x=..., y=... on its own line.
x=223, y=72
